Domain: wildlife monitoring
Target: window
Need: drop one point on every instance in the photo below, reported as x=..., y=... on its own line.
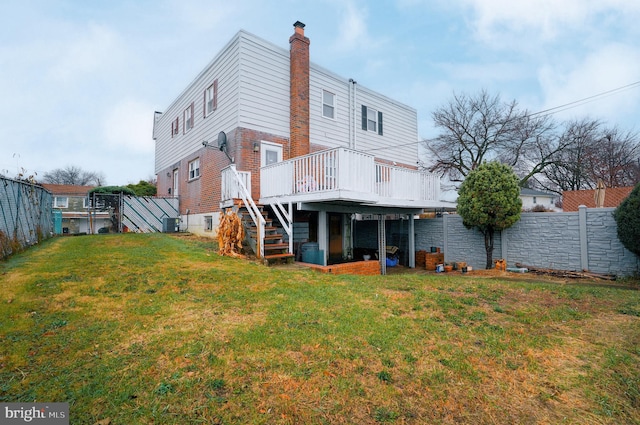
x=211, y=99
x=194, y=169
x=328, y=104
x=175, y=125
x=371, y=120
x=270, y=153
x=85, y=202
x=188, y=118
x=208, y=223
x=60, y=202
x=534, y=200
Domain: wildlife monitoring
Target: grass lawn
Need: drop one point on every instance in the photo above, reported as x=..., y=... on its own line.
x=159, y=329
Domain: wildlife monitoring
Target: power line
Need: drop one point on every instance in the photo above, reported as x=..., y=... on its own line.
x=579, y=102
x=549, y=111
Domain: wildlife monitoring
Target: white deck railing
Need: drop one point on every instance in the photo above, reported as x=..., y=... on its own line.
x=237, y=185
x=346, y=170
x=231, y=188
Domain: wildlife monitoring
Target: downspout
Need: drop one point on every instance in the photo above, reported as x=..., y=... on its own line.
x=353, y=112
x=350, y=114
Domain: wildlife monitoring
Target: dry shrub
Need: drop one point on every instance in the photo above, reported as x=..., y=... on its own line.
x=8, y=245
x=230, y=234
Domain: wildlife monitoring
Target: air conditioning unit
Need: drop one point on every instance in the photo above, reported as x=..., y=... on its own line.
x=170, y=225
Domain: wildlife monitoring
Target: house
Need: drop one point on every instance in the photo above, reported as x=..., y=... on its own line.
x=265, y=125
x=613, y=196
x=532, y=198
x=71, y=212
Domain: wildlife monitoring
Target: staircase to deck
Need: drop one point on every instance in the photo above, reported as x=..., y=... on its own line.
x=274, y=247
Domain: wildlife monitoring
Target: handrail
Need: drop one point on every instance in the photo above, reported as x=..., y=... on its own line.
x=285, y=217
x=253, y=210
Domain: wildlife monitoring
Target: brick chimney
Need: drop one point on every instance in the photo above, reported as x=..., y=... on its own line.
x=299, y=92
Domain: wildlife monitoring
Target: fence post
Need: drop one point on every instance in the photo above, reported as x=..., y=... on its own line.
x=584, y=252
x=504, y=242
x=445, y=238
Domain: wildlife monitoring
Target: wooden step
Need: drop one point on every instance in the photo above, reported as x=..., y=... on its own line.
x=249, y=221
x=272, y=258
x=275, y=246
x=266, y=229
x=273, y=237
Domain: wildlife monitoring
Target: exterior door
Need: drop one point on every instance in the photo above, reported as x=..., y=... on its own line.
x=270, y=153
x=335, y=237
x=176, y=183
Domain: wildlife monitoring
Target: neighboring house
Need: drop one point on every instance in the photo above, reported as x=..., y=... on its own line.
x=313, y=147
x=532, y=198
x=613, y=196
x=71, y=210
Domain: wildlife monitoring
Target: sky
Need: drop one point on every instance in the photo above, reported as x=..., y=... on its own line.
x=80, y=80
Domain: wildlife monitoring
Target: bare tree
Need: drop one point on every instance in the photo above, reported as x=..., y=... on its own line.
x=569, y=169
x=544, y=154
x=592, y=152
x=73, y=175
x=615, y=158
x=481, y=128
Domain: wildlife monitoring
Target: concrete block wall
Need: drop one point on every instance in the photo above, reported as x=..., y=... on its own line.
x=606, y=254
x=583, y=240
x=462, y=244
x=549, y=240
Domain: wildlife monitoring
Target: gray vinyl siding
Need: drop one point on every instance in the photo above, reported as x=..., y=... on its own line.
x=264, y=87
x=225, y=68
x=399, y=140
x=326, y=131
x=253, y=93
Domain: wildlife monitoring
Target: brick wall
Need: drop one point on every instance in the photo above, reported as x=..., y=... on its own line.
x=299, y=92
x=364, y=268
x=249, y=160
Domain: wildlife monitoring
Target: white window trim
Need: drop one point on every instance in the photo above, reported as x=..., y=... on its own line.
x=56, y=204
x=210, y=97
x=374, y=120
x=188, y=119
x=334, y=106
x=194, y=169
x=265, y=146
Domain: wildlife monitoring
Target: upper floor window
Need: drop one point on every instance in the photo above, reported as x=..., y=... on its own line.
x=211, y=99
x=60, y=202
x=194, y=169
x=175, y=127
x=328, y=104
x=371, y=120
x=188, y=118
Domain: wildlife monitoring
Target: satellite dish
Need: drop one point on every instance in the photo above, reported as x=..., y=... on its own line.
x=222, y=140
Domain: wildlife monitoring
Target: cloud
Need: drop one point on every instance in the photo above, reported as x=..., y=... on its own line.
x=86, y=51
x=508, y=23
x=353, y=31
x=127, y=127
x=610, y=67
x=204, y=15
